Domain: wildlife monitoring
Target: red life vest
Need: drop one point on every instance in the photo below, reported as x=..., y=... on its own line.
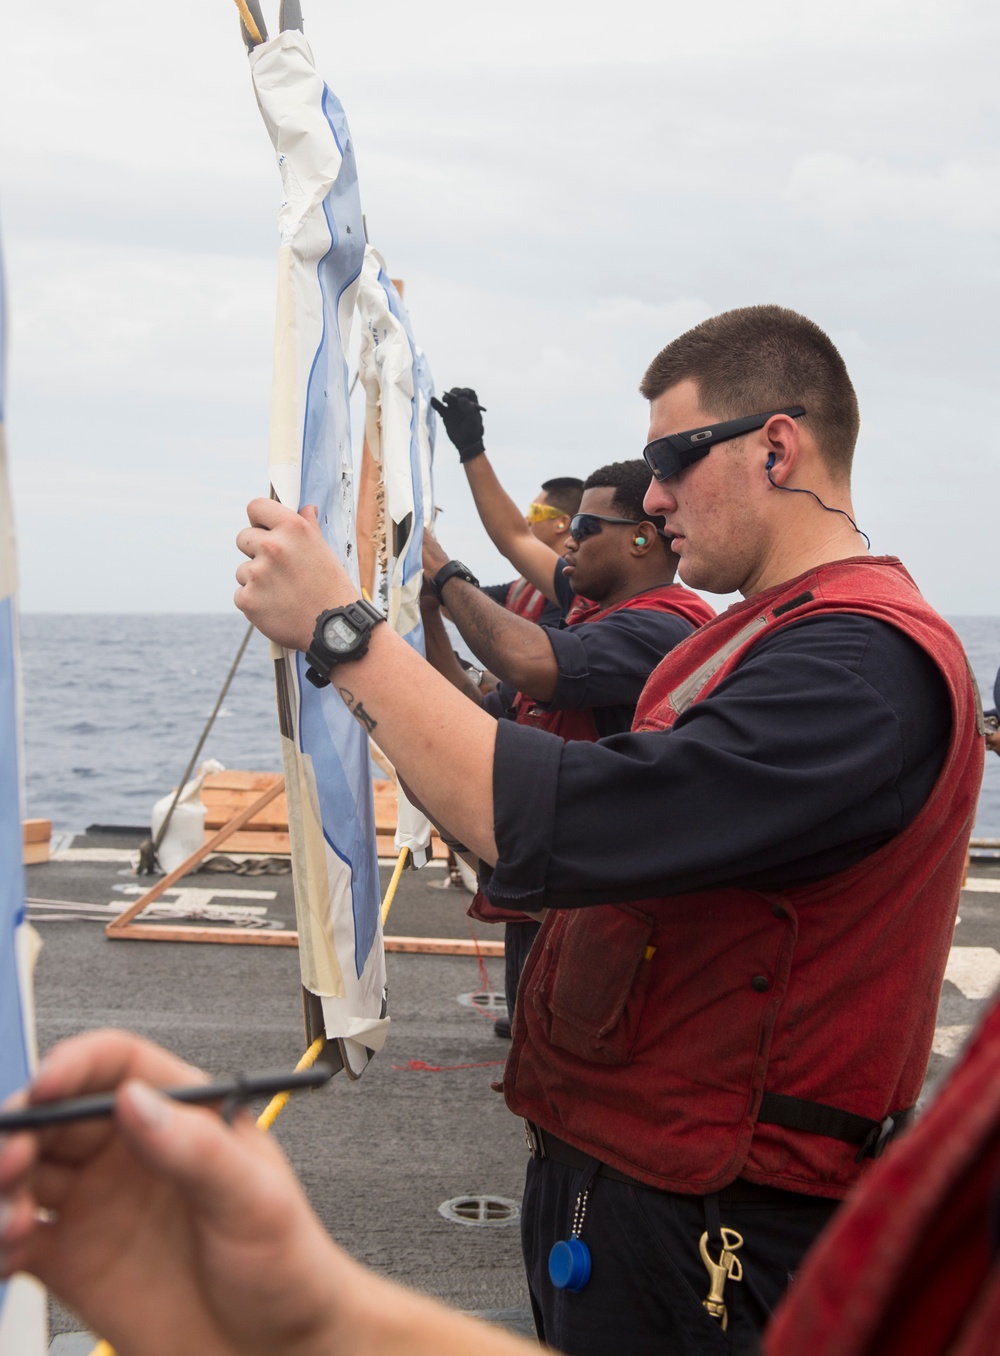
x=525, y=600
x=909, y=1264
x=581, y=724
x=674, y=599
x=648, y=1033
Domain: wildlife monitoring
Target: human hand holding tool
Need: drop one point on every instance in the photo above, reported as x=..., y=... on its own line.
x=462, y=415
x=168, y=1230
x=164, y=1220
x=234, y=1093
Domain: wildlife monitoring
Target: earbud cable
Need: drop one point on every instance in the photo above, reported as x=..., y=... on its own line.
x=792, y=489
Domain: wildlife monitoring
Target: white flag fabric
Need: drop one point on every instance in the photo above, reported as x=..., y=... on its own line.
x=22, y=1301
x=399, y=426
x=325, y=750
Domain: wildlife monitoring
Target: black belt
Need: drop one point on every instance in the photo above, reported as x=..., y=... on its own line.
x=544, y=1144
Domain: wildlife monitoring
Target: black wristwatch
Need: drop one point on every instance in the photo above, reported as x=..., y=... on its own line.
x=449, y=571
x=341, y=634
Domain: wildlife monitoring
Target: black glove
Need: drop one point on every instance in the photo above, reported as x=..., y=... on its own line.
x=463, y=420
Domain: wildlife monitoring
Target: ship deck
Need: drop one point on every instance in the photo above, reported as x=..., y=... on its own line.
x=377, y=1156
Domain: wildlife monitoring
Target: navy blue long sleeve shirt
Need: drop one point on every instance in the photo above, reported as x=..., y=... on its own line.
x=818, y=748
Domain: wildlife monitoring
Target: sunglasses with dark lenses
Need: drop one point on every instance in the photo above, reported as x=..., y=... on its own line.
x=584, y=525
x=666, y=456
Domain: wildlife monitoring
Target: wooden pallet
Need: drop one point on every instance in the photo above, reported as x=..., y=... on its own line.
x=227, y=794
x=248, y=806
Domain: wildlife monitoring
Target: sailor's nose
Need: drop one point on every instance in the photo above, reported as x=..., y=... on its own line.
x=659, y=498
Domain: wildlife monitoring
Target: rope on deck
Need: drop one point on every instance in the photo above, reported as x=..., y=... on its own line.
x=278, y=1103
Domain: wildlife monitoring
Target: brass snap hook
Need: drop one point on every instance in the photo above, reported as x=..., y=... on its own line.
x=727, y=1268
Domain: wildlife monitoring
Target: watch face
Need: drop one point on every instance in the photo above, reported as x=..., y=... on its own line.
x=339, y=635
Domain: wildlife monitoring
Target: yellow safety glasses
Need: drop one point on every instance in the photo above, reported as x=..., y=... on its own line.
x=543, y=513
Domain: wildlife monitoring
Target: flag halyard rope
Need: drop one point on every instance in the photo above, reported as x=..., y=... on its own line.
x=255, y=35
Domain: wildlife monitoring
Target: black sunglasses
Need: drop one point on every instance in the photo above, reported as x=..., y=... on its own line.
x=666, y=456
x=584, y=525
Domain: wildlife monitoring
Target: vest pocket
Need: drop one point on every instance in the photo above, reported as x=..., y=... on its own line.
x=596, y=985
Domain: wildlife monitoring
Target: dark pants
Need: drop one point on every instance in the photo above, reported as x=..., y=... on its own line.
x=517, y=939
x=648, y=1280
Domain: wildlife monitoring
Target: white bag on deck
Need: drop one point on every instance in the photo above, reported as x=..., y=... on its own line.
x=186, y=830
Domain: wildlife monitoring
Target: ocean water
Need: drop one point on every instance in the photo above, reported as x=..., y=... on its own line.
x=114, y=706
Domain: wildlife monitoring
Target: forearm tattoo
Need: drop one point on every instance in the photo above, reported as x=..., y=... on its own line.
x=488, y=628
x=357, y=710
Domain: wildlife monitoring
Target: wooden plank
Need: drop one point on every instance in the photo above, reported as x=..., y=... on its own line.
x=444, y=946
x=267, y=844
x=234, y=779
x=365, y=520
x=381, y=761
x=274, y=818
x=169, y=932
x=114, y=927
x=36, y=836
x=428, y=946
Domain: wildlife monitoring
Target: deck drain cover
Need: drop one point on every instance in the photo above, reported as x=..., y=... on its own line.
x=485, y=1002
x=490, y=1212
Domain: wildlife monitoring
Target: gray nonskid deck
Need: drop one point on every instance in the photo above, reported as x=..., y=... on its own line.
x=377, y=1156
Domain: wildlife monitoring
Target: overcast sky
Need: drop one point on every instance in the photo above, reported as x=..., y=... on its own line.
x=563, y=187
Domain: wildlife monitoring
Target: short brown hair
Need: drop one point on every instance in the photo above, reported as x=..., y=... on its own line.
x=762, y=358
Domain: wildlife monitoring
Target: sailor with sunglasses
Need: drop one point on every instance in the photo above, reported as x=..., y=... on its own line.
x=750, y=897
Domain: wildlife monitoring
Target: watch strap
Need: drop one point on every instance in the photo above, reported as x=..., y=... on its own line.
x=361, y=614
x=449, y=571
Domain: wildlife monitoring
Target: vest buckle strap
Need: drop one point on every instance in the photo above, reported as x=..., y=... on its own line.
x=816, y=1118
x=533, y=1139
x=876, y=1140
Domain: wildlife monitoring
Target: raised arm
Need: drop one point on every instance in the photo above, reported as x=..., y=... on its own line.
x=504, y=522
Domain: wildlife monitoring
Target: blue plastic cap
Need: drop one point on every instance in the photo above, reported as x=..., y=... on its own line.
x=569, y=1265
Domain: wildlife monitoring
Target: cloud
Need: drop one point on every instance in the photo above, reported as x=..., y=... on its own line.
x=848, y=191
x=100, y=318
x=562, y=196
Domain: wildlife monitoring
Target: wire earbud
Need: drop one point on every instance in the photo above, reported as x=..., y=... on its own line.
x=792, y=489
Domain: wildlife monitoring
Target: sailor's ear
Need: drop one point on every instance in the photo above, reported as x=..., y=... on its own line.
x=779, y=445
x=643, y=537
